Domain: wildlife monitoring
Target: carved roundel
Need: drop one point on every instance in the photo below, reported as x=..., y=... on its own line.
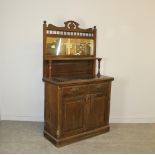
x=71, y=25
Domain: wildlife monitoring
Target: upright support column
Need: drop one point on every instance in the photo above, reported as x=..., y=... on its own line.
x=99, y=61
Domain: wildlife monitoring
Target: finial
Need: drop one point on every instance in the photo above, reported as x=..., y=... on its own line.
x=44, y=21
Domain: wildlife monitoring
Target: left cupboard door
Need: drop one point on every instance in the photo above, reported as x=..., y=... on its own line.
x=73, y=112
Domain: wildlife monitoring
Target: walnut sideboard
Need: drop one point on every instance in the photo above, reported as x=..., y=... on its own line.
x=77, y=97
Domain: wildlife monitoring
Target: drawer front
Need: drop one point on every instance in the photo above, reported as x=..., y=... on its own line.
x=74, y=91
x=98, y=88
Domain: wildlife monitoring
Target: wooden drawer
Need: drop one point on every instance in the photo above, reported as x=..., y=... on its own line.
x=98, y=88
x=74, y=91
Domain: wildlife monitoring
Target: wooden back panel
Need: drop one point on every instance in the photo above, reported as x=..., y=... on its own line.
x=69, y=68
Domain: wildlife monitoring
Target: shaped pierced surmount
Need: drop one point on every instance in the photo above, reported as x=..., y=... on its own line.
x=69, y=26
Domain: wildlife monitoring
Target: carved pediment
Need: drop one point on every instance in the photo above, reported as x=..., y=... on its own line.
x=70, y=26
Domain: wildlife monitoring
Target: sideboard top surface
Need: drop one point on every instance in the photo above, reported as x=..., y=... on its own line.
x=78, y=80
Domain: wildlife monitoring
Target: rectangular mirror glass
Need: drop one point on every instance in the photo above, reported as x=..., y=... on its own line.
x=69, y=46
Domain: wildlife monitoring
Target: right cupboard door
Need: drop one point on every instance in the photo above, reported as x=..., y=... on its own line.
x=97, y=106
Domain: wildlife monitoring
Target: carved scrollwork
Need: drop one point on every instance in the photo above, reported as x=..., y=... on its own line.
x=71, y=25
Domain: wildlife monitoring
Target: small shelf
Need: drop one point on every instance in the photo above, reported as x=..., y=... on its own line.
x=69, y=58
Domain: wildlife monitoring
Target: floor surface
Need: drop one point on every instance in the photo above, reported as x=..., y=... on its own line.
x=27, y=137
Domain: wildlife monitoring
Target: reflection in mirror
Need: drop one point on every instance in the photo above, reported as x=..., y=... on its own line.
x=69, y=46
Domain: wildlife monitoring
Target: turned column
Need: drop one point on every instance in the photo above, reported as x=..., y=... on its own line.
x=99, y=61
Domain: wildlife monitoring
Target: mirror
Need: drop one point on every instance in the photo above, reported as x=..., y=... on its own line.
x=69, y=46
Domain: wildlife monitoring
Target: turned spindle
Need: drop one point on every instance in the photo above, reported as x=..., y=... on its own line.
x=99, y=61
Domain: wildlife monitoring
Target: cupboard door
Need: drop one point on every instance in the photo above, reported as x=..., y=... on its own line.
x=96, y=109
x=73, y=115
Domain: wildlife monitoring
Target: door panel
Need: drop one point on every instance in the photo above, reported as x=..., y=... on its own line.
x=73, y=115
x=95, y=111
